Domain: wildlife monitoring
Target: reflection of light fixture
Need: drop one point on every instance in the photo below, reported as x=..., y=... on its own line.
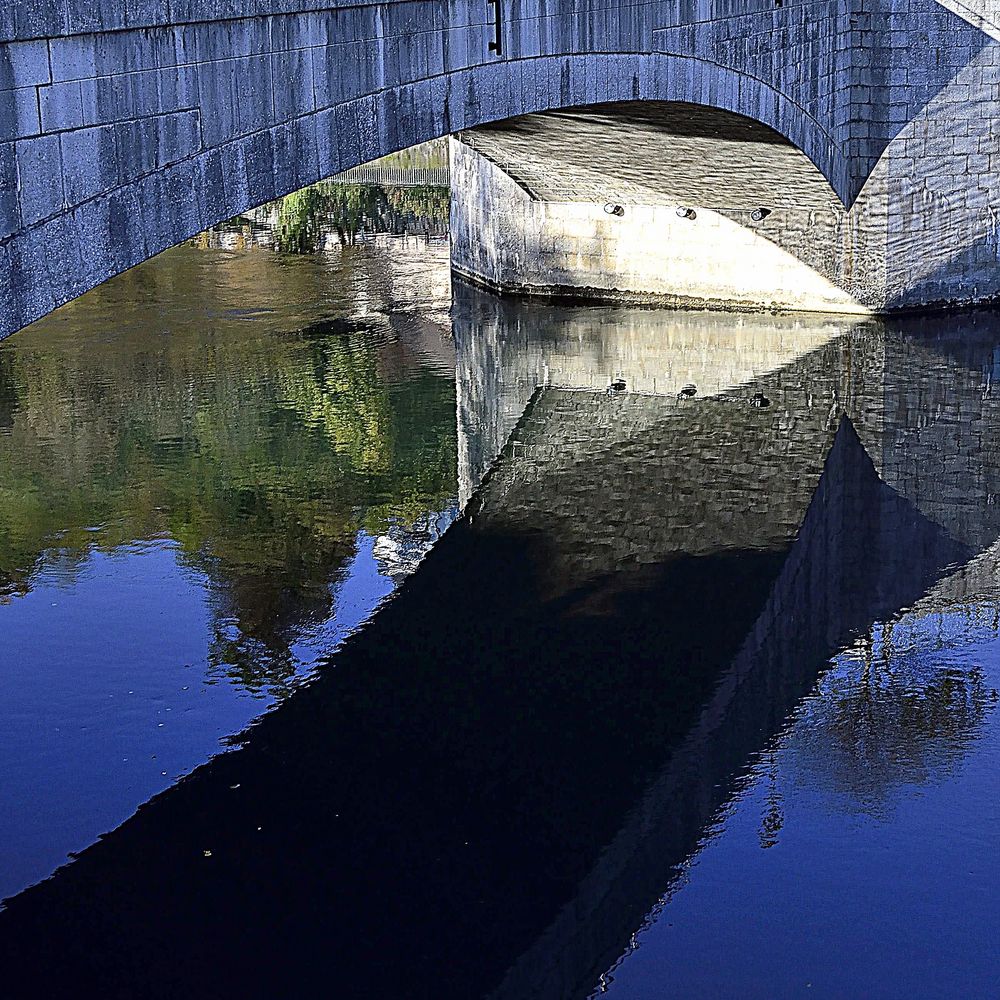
x=760, y=214
x=687, y=392
x=686, y=213
x=612, y=209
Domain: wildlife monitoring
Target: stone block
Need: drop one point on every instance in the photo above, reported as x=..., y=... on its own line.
x=89, y=163
x=61, y=106
x=24, y=64
x=19, y=113
x=39, y=173
x=10, y=216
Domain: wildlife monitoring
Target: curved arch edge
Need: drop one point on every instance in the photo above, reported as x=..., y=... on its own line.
x=61, y=258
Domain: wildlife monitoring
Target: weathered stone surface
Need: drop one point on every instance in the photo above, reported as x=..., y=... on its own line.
x=534, y=201
x=528, y=213
x=288, y=91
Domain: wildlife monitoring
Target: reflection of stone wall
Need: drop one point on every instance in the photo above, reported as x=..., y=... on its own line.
x=619, y=484
x=721, y=474
x=507, y=348
x=861, y=553
x=858, y=551
x=923, y=407
x=936, y=441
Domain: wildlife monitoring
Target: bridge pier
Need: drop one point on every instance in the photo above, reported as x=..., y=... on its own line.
x=691, y=206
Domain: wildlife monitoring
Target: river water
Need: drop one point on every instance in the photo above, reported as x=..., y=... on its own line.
x=359, y=637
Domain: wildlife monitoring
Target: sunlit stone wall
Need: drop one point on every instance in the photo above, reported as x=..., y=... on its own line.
x=556, y=234
x=534, y=203
x=127, y=126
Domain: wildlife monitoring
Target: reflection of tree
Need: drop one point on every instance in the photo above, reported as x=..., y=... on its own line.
x=298, y=228
x=881, y=722
x=8, y=394
x=342, y=400
x=303, y=219
x=309, y=220
x=261, y=457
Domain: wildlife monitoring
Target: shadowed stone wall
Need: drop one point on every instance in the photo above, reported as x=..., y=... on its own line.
x=127, y=126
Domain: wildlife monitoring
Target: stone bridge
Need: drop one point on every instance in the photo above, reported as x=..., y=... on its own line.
x=127, y=126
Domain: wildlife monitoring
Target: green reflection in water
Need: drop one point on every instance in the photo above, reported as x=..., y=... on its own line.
x=334, y=213
x=241, y=406
x=348, y=210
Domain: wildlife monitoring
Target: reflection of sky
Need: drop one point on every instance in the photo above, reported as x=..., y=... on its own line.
x=106, y=693
x=845, y=862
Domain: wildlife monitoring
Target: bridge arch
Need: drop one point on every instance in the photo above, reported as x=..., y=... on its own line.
x=97, y=199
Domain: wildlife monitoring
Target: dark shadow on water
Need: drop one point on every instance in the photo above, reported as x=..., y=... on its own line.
x=469, y=766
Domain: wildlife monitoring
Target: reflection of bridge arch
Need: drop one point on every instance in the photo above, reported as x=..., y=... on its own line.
x=487, y=754
x=125, y=132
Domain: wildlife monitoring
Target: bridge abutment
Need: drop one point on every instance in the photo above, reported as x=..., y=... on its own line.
x=690, y=206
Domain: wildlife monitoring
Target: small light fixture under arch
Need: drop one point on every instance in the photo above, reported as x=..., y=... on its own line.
x=686, y=213
x=760, y=214
x=612, y=209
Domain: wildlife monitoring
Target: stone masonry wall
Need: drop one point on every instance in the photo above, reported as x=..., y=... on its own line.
x=529, y=195
x=514, y=236
x=127, y=126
